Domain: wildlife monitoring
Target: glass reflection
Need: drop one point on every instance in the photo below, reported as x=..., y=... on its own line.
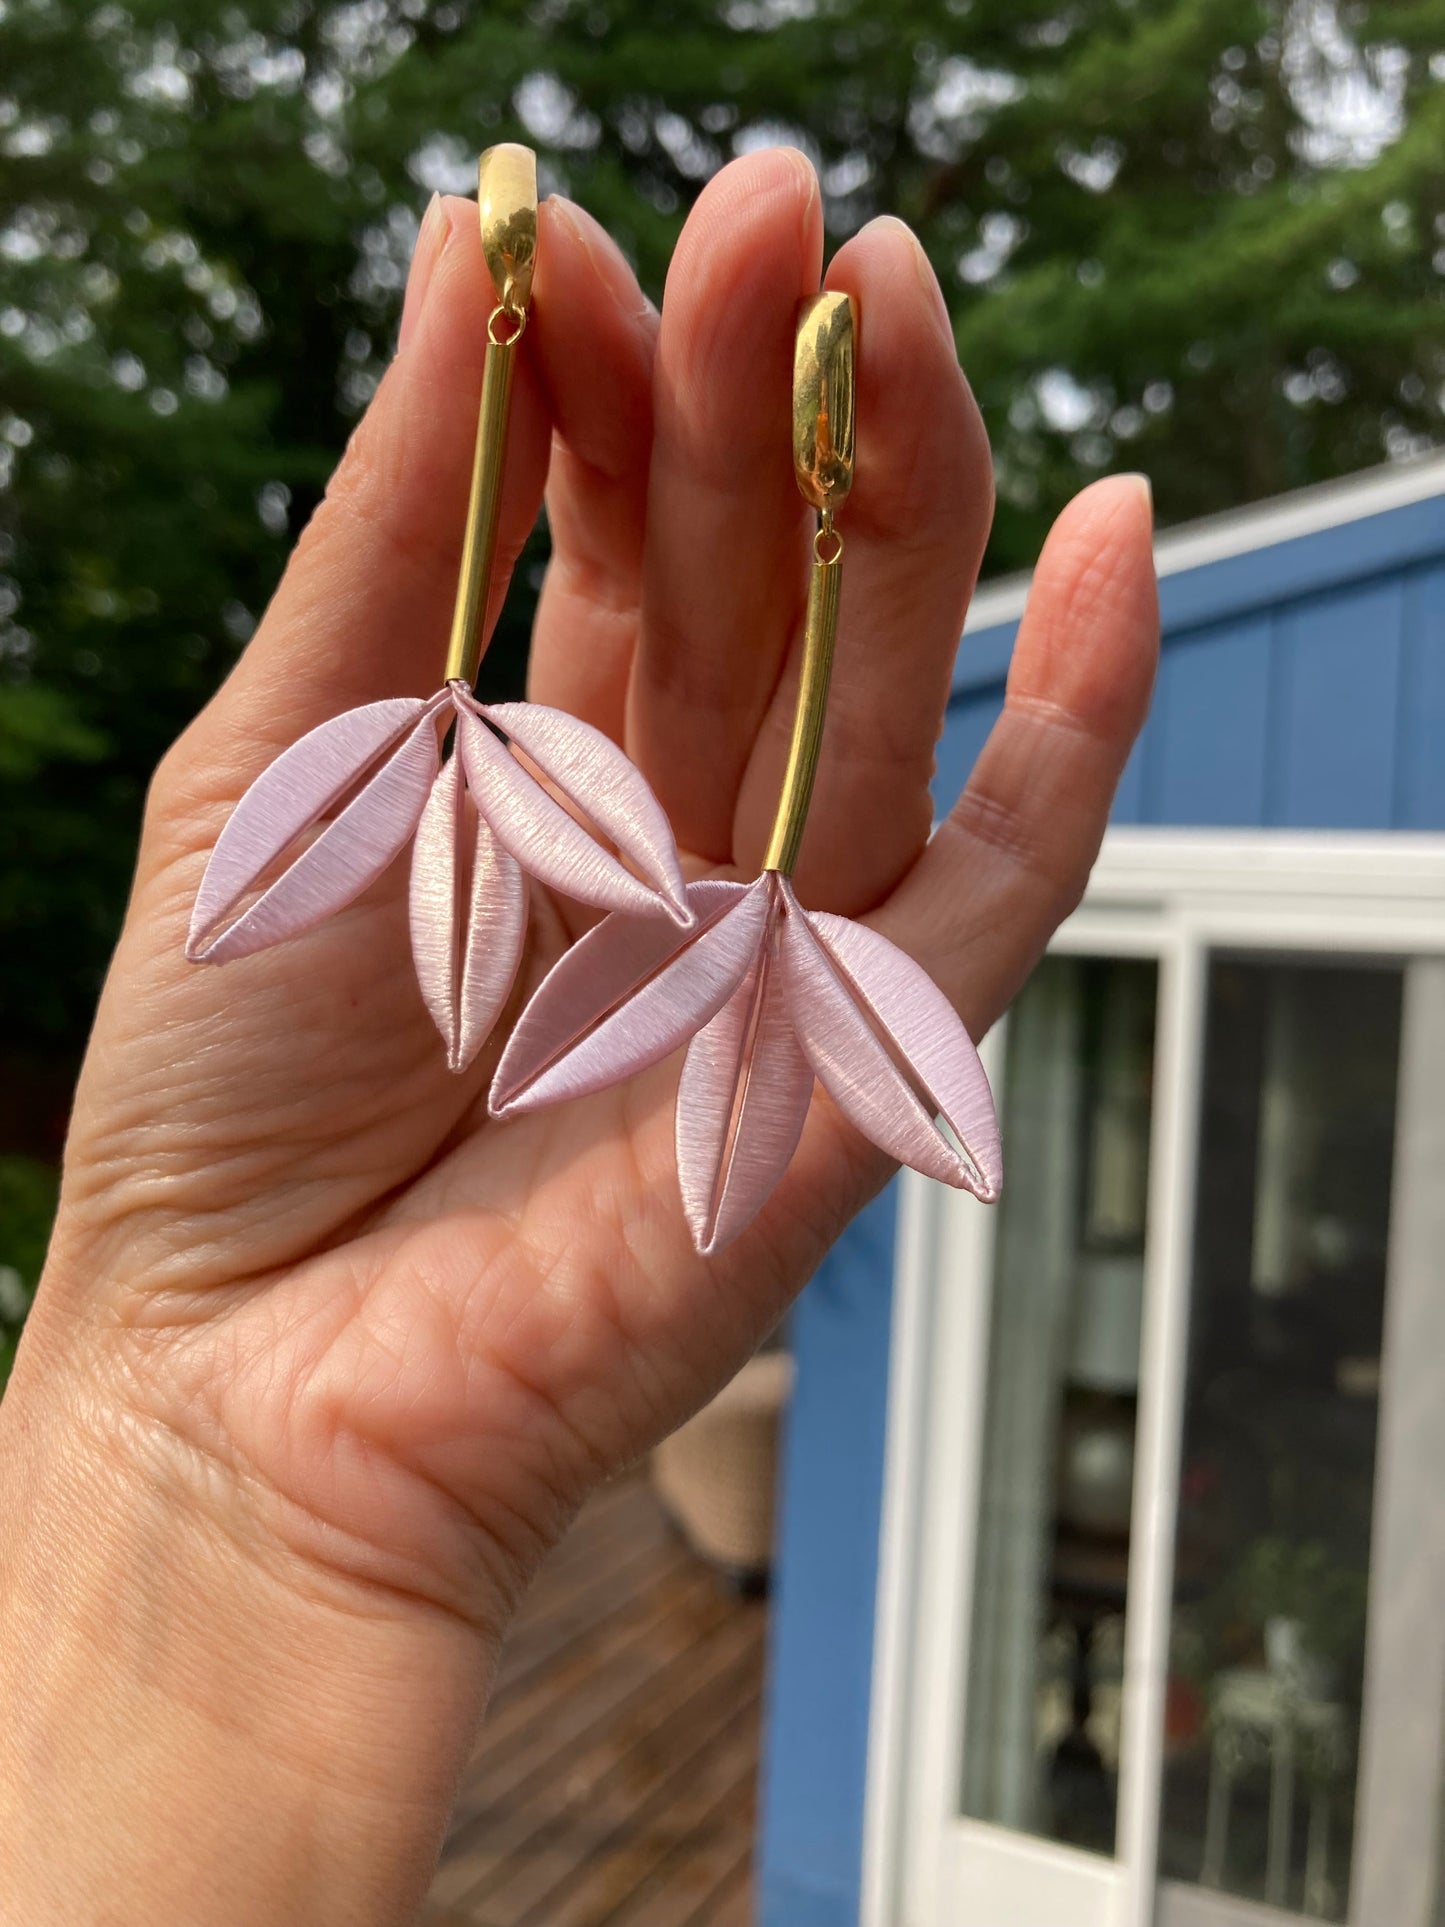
x=1277, y=1474
x=1050, y=1584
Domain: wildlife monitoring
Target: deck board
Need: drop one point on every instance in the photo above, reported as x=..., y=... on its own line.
x=614, y=1782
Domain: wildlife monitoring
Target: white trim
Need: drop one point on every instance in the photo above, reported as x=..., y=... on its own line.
x=943, y=1236
x=1161, y=865
x=1184, y=1906
x=1170, y=894
x=1400, y=1792
x=916, y=1270
x=1218, y=538
x=1163, y=1355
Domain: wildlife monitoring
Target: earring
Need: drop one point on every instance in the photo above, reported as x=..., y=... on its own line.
x=366, y=781
x=768, y=996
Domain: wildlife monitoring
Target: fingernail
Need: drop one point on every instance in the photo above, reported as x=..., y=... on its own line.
x=807, y=173
x=431, y=238
x=922, y=267
x=928, y=281
x=1140, y=481
x=609, y=263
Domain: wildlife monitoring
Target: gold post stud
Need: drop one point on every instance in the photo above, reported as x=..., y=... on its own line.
x=823, y=410
x=507, y=205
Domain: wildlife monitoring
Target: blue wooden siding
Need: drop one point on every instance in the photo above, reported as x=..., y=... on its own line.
x=1301, y=686
x=1420, y=799
x=1286, y=698
x=822, y=1629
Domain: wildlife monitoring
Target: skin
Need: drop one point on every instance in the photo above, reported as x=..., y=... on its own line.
x=323, y=1361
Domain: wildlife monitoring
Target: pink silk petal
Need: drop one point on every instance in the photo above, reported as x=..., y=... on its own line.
x=605, y=785
x=466, y=946
x=891, y=1052
x=627, y=995
x=741, y=1106
x=294, y=793
x=548, y=842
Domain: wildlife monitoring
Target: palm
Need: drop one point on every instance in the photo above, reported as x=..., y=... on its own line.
x=388, y=1314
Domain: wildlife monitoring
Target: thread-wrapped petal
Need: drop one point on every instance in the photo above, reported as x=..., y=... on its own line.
x=627, y=995
x=602, y=785
x=890, y=1050
x=396, y=741
x=466, y=935
x=741, y=1106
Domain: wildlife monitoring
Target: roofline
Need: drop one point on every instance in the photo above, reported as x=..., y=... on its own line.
x=1217, y=538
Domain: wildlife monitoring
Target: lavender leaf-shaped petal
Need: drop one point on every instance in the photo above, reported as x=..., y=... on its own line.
x=609, y=789
x=628, y=994
x=890, y=1050
x=466, y=940
x=741, y=1106
x=396, y=741
x=546, y=839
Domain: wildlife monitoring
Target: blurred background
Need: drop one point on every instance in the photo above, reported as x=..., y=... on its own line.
x=1201, y=237
x=1204, y=238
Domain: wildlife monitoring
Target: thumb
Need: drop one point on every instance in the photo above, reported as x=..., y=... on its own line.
x=363, y=610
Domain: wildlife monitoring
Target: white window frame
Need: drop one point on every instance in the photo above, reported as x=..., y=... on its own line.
x=1173, y=896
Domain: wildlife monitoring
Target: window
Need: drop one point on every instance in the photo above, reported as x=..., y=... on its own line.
x=1160, y=1640
x=1276, y=1490
x=1051, y=1574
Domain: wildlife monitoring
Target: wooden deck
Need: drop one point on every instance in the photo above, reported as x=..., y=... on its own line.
x=614, y=1782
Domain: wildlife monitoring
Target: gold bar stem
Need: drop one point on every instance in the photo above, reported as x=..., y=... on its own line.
x=479, y=546
x=819, y=633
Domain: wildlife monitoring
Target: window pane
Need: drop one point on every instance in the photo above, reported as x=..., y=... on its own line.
x=1047, y=1629
x=1273, y=1545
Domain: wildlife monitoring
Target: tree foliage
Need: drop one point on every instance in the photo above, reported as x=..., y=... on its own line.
x=1202, y=237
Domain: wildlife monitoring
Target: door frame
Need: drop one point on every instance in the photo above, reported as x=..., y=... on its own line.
x=1173, y=896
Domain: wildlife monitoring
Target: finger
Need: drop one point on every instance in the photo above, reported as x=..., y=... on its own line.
x=599, y=389
x=1012, y=859
x=914, y=528
x=364, y=608
x=724, y=562
x=649, y=1329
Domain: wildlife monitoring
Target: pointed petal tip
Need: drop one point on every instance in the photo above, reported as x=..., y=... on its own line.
x=673, y=891
x=706, y=1231
x=981, y=1159
x=977, y=1165
x=708, y=1242
x=198, y=938
x=986, y=1186
x=512, y=1097
x=992, y=1187
x=202, y=945
x=892, y=1053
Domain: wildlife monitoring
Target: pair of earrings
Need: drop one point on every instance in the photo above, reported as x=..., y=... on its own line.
x=766, y=996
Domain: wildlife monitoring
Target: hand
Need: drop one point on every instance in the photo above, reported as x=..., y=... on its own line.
x=326, y=1354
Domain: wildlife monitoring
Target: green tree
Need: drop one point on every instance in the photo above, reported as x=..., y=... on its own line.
x=27, y=1206
x=1203, y=237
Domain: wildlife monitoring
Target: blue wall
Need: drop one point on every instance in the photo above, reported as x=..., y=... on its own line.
x=822, y=1625
x=1301, y=686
